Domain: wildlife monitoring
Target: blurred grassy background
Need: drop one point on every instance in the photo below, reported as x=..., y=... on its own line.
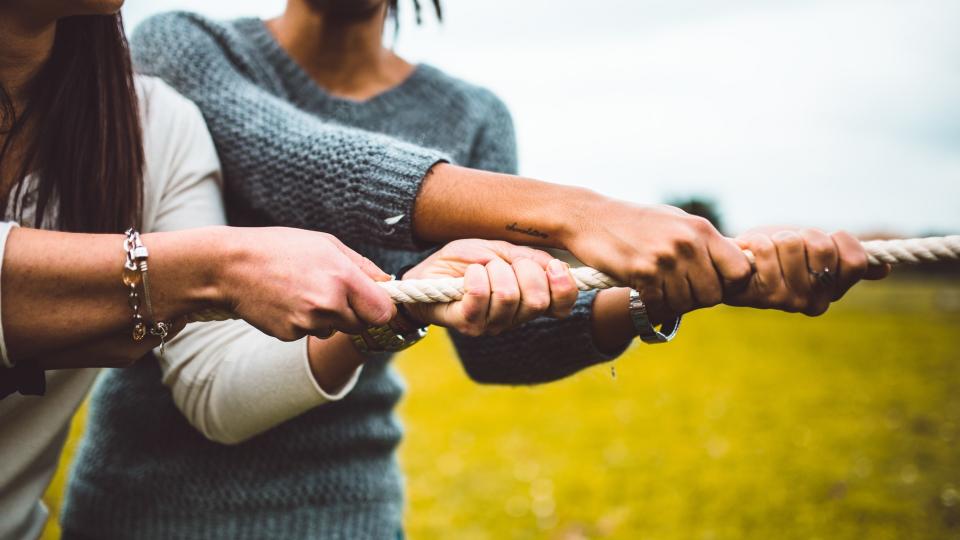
x=751, y=425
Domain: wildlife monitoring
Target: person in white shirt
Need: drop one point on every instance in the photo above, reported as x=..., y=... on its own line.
x=64, y=308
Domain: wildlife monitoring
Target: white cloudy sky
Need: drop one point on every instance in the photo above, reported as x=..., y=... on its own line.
x=833, y=113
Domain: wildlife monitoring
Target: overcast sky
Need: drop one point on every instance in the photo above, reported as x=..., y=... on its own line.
x=832, y=113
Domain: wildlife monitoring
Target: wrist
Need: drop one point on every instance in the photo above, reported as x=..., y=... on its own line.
x=580, y=208
x=333, y=361
x=186, y=269
x=221, y=254
x=612, y=324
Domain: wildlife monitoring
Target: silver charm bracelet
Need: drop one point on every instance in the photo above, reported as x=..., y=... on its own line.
x=138, y=286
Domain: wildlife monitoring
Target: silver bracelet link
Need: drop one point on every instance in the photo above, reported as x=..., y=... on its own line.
x=136, y=279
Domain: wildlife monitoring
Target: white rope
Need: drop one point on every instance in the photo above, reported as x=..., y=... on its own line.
x=426, y=291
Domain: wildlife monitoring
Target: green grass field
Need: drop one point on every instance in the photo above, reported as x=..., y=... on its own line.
x=751, y=425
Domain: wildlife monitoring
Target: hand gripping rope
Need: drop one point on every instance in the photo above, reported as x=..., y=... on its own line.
x=426, y=291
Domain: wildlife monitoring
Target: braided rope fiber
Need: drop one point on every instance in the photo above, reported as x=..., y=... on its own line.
x=426, y=291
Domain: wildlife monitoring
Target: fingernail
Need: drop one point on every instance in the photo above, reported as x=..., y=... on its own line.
x=557, y=268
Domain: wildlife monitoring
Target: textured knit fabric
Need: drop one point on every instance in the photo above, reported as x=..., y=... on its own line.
x=295, y=155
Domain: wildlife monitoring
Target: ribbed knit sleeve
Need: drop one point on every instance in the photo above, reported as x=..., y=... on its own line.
x=541, y=350
x=281, y=164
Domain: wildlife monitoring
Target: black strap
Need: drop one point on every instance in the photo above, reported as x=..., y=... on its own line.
x=25, y=377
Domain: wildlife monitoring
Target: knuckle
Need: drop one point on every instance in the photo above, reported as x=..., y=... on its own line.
x=338, y=274
x=328, y=300
x=471, y=315
x=789, y=240
x=537, y=304
x=666, y=260
x=466, y=329
x=855, y=260
x=643, y=270
x=701, y=224
x=686, y=241
x=818, y=244
x=383, y=317
x=477, y=294
x=566, y=289
x=741, y=274
x=506, y=296
x=762, y=245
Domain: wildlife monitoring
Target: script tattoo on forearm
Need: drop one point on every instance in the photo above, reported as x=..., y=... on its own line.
x=529, y=231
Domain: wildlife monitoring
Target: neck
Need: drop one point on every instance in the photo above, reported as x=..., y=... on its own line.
x=346, y=58
x=25, y=45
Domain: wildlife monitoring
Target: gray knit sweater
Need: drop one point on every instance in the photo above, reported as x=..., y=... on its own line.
x=294, y=155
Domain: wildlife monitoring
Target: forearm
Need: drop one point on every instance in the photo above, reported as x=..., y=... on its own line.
x=333, y=361
x=457, y=202
x=62, y=289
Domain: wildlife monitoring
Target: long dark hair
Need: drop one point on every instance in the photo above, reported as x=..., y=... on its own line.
x=82, y=127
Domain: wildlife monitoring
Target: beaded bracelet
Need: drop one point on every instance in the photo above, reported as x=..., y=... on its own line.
x=136, y=280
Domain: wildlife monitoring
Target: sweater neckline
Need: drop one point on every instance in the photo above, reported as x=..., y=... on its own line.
x=308, y=93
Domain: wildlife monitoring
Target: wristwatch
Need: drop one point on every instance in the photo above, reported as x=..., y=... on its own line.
x=641, y=322
x=400, y=333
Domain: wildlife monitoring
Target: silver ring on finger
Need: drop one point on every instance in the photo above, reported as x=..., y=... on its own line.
x=824, y=278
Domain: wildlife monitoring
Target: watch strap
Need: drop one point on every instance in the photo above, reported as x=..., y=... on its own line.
x=641, y=322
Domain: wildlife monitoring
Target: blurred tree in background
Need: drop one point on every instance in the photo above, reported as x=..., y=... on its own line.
x=700, y=206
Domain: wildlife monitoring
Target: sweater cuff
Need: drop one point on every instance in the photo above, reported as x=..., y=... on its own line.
x=401, y=170
x=584, y=307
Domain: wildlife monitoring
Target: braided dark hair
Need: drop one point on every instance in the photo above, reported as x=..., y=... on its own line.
x=392, y=11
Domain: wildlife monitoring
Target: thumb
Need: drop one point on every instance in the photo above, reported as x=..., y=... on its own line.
x=369, y=301
x=363, y=263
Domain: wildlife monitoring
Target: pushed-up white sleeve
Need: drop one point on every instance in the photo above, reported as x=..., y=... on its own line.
x=4, y=232
x=230, y=380
x=232, y=383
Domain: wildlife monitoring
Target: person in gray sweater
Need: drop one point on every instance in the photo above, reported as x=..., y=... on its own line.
x=391, y=162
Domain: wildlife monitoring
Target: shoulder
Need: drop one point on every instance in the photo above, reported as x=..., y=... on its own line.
x=175, y=22
x=176, y=143
x=183, y=33
x=471, y=98
x=163, y=111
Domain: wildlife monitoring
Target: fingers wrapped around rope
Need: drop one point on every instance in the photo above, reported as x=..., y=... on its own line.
x=830, y=274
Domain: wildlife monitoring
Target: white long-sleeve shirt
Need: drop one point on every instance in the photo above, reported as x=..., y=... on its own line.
x=230, y=380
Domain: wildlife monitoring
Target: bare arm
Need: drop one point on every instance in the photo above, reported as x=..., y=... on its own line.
x=63, y=289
